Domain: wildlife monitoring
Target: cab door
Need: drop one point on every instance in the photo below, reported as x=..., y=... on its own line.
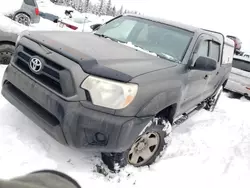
x=197, y=83
x=215, y=48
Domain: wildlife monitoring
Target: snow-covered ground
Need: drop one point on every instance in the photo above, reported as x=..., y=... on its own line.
x=208, y=150
x=10, y=6
x=8, y=25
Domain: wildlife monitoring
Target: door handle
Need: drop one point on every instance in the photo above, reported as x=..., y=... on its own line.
x=205, y=77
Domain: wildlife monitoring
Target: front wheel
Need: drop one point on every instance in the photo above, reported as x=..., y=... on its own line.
x=22, y=18
x=148, y=146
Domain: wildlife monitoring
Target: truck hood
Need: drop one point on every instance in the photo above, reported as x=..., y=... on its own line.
x=101, y=56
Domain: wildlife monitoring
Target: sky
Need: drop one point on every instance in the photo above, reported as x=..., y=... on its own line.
x=228, y=17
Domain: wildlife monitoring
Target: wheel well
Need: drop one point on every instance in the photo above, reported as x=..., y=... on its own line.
x=7, y=42
x=21, y=13
x=168, y=112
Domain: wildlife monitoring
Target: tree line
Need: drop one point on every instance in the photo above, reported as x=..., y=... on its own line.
x=103, y=7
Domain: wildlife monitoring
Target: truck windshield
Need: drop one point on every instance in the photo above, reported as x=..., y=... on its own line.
x=166, y=41
x=241, y=64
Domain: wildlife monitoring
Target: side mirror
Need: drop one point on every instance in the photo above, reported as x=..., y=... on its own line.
x=95, y=26
x=205, y=64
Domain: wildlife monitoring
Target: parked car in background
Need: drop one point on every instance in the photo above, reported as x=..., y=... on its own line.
x=28, y=13
x=7, y=46
x=81, y=22
x=239, y=78
x=120, y=89
x=237, y=44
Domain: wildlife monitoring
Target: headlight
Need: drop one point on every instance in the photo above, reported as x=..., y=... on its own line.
x=110, y=94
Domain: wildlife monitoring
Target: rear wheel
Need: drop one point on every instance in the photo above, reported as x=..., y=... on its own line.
x=148, y=146
x=22, y=18
x=6, y=51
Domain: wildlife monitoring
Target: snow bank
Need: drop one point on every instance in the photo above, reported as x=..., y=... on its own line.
x=58, y=10
x=10, y=6
x=105, y=18
x=8, y=25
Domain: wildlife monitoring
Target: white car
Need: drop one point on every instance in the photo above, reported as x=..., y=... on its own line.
x=239, y=78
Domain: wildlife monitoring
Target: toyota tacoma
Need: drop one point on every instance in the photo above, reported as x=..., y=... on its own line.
x=120, y=89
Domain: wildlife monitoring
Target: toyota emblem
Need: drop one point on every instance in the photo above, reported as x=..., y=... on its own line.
x=35, y=65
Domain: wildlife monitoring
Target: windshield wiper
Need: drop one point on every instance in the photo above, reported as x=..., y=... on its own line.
x=160, y=55
x=107, y=37
x=168, y=57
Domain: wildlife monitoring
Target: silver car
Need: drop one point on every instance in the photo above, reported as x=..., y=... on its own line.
x=28, y=13
x=7, y=46
x=239, y=79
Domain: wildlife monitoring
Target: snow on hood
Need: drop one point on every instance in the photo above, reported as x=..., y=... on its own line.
x=129, y=44
x=164, y=55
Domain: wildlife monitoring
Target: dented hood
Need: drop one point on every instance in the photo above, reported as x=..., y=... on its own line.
x=100, y=56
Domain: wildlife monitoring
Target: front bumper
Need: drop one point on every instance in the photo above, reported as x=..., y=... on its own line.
x=70, y=123
x=237, y=87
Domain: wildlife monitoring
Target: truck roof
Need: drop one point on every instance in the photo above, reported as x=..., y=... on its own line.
x=179, y=25
x=165, y=21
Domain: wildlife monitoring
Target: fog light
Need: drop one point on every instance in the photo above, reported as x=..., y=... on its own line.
x=100, y=137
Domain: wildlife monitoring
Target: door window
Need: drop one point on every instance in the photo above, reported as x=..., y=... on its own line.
x=214, y=51
x=203, y=49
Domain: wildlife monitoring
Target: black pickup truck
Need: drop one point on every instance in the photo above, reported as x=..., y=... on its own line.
x=120, y=89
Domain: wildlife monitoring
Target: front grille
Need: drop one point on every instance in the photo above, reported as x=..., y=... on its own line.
x=52, y=74
x=49, y=118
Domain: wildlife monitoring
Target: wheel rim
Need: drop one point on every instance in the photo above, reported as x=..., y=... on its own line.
x=144, y=149
x=5, y=57
x=22, y=19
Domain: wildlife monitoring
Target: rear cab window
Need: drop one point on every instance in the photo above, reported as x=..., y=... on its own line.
x=214, y=50
x=209, y=48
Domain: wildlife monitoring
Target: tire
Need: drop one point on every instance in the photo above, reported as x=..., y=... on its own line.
x=235, y=95
x=22, y=18
x=213, y=100
x=146, y=149
x=6, y=51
